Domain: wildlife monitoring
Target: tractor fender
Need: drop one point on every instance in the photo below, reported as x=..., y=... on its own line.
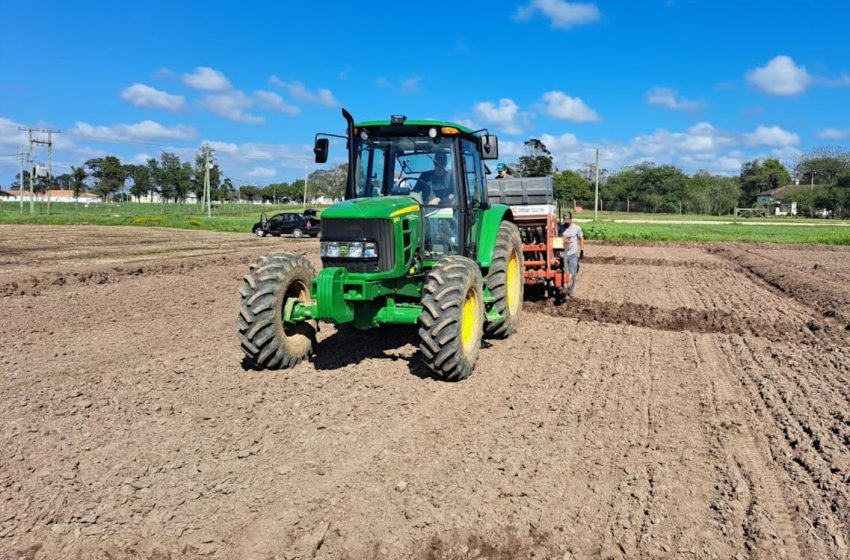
x=491, y=219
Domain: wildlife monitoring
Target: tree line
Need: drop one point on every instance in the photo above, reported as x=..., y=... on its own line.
x=645, y=187
x=648, y=187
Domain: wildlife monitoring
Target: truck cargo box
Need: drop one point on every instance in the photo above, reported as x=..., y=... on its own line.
x=522, y=191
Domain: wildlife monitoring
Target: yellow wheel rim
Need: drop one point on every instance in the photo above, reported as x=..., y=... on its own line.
x=513, y=284
x=469, y=319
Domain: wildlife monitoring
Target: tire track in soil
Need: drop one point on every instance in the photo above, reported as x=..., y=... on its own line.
x=768, y=529
x=638, y=261
x=682, y=319
x=812, y=455
x=832, y=301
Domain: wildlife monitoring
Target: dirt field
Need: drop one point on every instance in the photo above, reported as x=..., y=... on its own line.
x=692, y=402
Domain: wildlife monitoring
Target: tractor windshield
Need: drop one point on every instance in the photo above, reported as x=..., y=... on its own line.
x=419, y=167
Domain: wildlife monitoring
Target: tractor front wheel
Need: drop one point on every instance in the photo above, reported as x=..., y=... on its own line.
x=452, y=320
x=268, y=343
x=505, y=280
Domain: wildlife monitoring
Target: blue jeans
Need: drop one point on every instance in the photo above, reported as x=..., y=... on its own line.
x=571, y=266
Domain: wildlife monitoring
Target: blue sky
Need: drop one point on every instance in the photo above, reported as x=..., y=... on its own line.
x=700, y=84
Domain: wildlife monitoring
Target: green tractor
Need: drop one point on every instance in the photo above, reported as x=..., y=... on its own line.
x=416, y=242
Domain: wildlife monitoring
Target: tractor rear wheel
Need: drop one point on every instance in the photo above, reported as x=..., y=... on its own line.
x=452, y=320
x=268, y=343
x=505, y=280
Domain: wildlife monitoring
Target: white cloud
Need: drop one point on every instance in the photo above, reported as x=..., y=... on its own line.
x=141, y=95
x=506, y=115
x=411, y=84
x=773, y=136
x=262, y=172
x=207, y=79
x=670, y=98
x=299, y=91
x=231, y=106
x=566, y=141
x=146, y=130
x=781, y=76
x=562, y=106
x=273, y=102
x=562, y=14
x=834, y=134
x=406, y=85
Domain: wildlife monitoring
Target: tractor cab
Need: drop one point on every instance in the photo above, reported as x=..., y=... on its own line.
x=436, y=165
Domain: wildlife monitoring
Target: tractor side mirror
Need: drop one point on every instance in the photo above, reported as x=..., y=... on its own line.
x=321, y=150
x=489, y=147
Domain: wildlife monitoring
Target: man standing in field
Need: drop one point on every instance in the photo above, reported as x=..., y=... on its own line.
x=573, y=250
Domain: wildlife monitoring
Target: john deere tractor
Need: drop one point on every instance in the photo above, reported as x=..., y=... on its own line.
x=416, y=242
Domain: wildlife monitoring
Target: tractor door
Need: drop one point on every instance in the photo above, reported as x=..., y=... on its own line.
x=475, y=195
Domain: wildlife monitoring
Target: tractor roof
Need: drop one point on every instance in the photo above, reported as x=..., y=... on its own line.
x=410, y=122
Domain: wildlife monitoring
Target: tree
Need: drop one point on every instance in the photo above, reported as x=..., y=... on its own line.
x=227, y=190
x=78, y=180
x=109, y=175
x=169, y=176
x=198, y=177
x=155, y=175
x=570, y=186
x=538, y=160
x=250, y=193
x=329, y=183
x=761, y=175
x=141, y=176
x=16, y=181
x=824, y=164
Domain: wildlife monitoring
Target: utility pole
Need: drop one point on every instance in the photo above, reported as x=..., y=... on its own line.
x=207, y=179
x=21, y=182
x=49, y=144
x=32, y=173
x=813, y=180
x=596, y=202
x=306, y=173
x=49, y=167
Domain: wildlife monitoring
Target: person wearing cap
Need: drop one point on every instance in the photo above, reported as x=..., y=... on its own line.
x=573, y=250
x=502, y=172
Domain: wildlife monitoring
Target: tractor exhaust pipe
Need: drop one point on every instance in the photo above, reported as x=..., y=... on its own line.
x=350, y=187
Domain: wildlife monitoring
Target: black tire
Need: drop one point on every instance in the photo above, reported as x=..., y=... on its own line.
x=266, y=341
x=452, y=320
x=508, y=244
x=297, y=233
x=259, y=232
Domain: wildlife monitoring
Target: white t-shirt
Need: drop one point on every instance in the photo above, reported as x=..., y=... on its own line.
x=571, y=235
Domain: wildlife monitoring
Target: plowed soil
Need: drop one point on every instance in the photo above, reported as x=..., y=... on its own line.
x=691, y=402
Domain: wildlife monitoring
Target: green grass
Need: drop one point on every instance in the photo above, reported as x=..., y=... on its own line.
x=240, y=218
x=610, y=231
x=227, y=217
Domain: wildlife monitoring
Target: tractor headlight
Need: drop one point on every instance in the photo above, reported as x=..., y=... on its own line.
x=370, y=250
x=355, y=250
x=349, y=249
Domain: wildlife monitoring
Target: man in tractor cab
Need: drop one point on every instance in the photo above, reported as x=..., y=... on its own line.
x=437, y=186
x=573, y=250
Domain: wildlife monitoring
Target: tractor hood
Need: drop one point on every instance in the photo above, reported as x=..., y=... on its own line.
x=386, y=207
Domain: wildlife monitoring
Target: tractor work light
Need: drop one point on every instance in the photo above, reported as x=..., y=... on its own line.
x=364, y=135
x=349, y=250
x=432, y=132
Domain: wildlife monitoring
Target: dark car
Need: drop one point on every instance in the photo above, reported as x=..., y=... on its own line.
x=294, y=223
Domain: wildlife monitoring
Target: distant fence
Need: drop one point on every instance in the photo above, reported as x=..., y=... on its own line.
x=146, y=208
